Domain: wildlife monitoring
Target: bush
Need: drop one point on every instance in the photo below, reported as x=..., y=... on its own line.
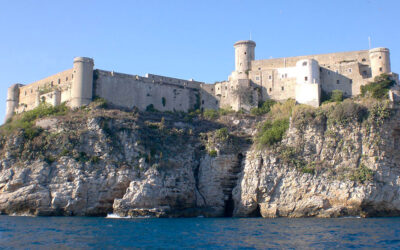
x=362, y=174
x=262, y=108
x=210, y=114
x=25, y=121
x=345, y=112
x=337, y=95
x=282, y=110
x=222, y=134
x=273, y=132
x=379, y=88
x=212, y=153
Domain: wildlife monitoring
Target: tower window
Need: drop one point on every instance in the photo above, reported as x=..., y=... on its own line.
x=380, y=69
x=270, y=89
x=66, y=78
x=270, y=77
x=245, y=53
x=349, y=70
x=351, y=81
x=59, y=81
x=259, y=68
x=363, y=60
x=51, y=83
x=337, y=81
x=282, y=88
x=306, y=78
x=304, y=63
x=380, y=57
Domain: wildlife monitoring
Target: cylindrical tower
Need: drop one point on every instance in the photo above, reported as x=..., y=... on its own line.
x=12, y=100
x=244, y=54
x=307, y=71
x=82, y=84
x=380, y=61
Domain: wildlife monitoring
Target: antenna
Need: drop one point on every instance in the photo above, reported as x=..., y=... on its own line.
x=369, y=42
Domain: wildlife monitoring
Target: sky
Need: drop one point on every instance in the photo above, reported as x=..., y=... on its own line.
x=182, y=38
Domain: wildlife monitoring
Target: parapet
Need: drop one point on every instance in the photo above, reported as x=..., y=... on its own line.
x=83, y=59
x=248, y=42
x=380, y=49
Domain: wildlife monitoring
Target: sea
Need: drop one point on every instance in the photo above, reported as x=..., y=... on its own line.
x=19, y=232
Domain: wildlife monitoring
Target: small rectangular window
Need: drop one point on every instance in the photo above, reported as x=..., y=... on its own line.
x=337, y=81
x=349, y=70
x=270, y=77
x=304, y=63
x=380, y=57
x=351, y=81
x=282, y=88
x=380, y=69
x=257, y=78
x=270, y=89
x=259, y=68
x=306, y=78
x=363, y=60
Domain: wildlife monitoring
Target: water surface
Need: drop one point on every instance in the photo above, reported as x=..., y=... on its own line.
x=248, y=233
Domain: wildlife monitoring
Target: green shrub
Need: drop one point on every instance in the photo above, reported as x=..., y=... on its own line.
x=346, y=112
x=379, y=112
x=212, y=153
x=362, y=174
x=282, y=110
x=210, y=114
x=25, y=120
x=222, y=134
x=379, y=88
x=337, y=95
x=100, y=102
x=226, y=111
x=272, y=132
x=262, y=108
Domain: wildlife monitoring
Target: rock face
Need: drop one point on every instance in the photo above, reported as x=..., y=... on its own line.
x=109, y=161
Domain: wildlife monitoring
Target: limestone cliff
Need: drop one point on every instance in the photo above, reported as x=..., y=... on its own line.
x=96, y=161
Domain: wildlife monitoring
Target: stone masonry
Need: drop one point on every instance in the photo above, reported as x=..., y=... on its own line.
x=253, y=81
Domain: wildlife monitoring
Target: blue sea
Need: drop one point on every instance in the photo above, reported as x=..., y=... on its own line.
x=210, y=233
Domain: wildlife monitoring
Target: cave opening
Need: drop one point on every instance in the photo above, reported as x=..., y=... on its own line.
x=229, y=207
x=256, y=212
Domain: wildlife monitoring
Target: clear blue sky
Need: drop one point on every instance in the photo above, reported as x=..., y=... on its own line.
x=185, y=39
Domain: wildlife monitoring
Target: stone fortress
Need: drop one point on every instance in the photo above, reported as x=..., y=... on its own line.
x=301, y=78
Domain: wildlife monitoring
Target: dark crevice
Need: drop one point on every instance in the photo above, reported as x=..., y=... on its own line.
x=256, y=212
x=229, y=207
x=230, y=184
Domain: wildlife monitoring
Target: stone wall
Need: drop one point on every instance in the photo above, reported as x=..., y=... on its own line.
x=30, y=94
x=130, y=91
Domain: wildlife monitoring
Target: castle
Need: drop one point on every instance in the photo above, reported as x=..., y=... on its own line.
x=301, y=78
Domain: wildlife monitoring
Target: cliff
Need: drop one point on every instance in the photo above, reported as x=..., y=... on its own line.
x=337, y=160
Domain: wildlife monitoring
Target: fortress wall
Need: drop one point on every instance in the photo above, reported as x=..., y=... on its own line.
x=361, y=56
x=225, y=93
x=208, y=99
x=28, y=93
x=133, y=91
x=175, y=81
x=347, y=77
x=274, y=84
